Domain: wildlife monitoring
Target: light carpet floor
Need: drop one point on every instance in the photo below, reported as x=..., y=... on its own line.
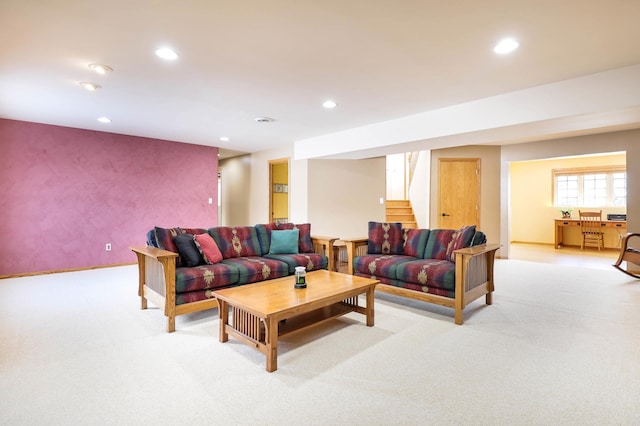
x=559, y=346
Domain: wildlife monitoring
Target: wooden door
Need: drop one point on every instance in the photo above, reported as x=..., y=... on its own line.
x=458, y=192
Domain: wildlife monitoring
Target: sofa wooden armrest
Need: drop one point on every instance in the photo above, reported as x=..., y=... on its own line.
x=353, y=246
x=157, y=280
x=324, y=245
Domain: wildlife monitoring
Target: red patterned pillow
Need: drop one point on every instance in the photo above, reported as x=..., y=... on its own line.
x=305, y=245
x=385, y=238
x=208, y=248
x=460, y=239
x=239, y=241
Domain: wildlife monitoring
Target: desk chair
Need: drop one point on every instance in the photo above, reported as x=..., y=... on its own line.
x=591, y=226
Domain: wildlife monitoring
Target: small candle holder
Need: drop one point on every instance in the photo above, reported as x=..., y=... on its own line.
x=301, y=277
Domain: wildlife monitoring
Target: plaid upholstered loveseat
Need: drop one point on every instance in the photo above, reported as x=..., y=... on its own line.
x=442, y=266
x=179, y=268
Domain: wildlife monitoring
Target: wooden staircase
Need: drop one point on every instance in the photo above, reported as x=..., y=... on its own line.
x=401, y=211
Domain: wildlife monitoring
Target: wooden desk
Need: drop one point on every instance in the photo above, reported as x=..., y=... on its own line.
x=560, y=224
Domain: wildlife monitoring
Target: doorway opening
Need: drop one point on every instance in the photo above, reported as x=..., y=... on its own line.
x=279, y=191
x=537, y=200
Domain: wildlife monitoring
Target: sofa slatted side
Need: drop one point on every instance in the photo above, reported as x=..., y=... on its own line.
x=157, y=280
x=474, y=276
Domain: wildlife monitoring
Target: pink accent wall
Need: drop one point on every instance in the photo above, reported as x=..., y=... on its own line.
x=65, y=193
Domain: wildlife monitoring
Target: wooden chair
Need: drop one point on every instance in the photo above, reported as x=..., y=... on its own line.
x=630, y=255
x=591, y=226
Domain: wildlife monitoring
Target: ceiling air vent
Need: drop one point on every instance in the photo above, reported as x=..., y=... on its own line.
x=264, y=119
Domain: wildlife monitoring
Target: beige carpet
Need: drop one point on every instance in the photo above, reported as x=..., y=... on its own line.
x=560, y=345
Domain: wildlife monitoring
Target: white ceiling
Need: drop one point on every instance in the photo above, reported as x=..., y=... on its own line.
x=380, y=60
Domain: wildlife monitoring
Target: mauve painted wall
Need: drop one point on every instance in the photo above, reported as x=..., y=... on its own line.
x=67, y=192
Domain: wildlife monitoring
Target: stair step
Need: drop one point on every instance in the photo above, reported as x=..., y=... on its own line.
x=398, y=203
x=399, y=210
x=400, y=217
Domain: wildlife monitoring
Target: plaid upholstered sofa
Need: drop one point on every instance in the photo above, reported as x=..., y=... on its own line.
x=442, y=266
x=179, y=268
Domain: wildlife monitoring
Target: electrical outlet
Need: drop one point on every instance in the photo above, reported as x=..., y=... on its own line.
x=107, y=247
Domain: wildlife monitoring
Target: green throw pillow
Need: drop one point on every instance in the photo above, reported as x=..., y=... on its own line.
x=284, y=242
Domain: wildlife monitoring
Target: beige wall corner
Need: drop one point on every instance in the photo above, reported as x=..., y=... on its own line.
x=235, y=184
x=344, y=195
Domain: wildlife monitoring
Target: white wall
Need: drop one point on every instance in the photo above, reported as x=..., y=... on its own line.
x=396, y=172
x=344, y=195
x=419, y=189
x=235, y=187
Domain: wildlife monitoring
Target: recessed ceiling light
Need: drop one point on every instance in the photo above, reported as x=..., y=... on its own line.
x=167, y=53
x=89, y=86
x=104, y=120
x=329, y=104
x=506, y=45
x=224, y=139
x=100, y=69
x=264, y=119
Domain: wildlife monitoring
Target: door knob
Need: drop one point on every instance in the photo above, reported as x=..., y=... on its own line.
x=444, y=214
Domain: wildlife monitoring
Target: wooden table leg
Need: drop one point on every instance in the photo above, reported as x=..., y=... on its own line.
x=558, y=237
x=223, y=310
x=272, y=344
x=370, y=310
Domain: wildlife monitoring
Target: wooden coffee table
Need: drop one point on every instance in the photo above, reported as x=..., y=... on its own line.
x=258, y=310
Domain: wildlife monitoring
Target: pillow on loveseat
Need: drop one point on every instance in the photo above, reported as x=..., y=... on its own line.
x=443, y=242
x=305, y=245
x=284, y=241
x=415, y=241
x=460, y=239
x=264, y=235
x=238, y=241
x=385, y=238
x=437, y=244
x=164, y=240
x=208, y=248
x=188, y=251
